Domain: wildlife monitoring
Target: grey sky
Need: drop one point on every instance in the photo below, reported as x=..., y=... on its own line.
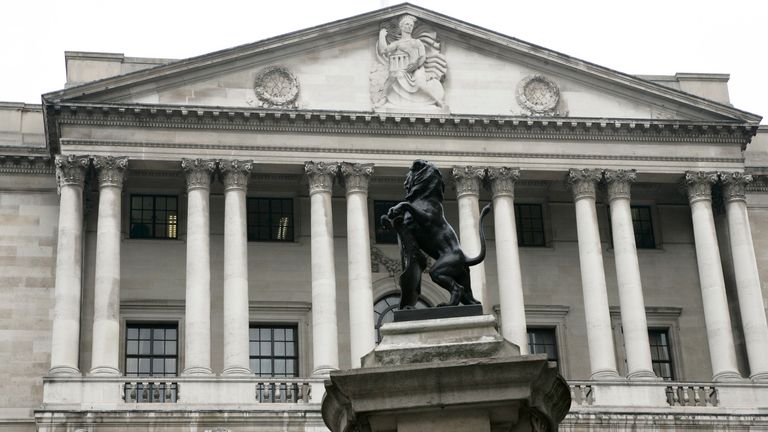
x=648, y=37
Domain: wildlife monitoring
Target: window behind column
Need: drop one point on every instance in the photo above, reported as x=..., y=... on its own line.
x=380, y=209
x=270, y=219
x=661, y=355
x=542, y=340
x=151, y=349
x=384, y=311
x=529, y=221
x=643, y=226
x=154, y=216
x=274, y=350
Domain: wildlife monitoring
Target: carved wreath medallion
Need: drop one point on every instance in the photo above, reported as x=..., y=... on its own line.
x=276, y=86
x=538, y=95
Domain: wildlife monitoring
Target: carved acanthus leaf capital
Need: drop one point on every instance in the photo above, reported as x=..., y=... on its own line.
x=583, y=182
x=320, y=175
x=467, y=179
x=619, y=183
x=198, y=172
x=356, y=176
x=503, y=180
x=235, y=173
x=699, y=185
x=735, y=185
x=70, y=170
x=110, y=170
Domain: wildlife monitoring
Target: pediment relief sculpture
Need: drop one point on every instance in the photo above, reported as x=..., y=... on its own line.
x=276, y=87
x=410, y=68
x=538, y=95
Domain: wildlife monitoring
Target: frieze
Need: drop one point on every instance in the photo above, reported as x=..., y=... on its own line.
x=198, y=172
x=760, y=184
x=699, y=185
x=467, y=179
x=320, y=175
x=619, y=183
x=735, y=185
x=27, y=165
x=502, y=180
x=378, y=257
x=110, y=170
x=583, y=182
x=71, y=170
x=235, y=173
x=356, y=176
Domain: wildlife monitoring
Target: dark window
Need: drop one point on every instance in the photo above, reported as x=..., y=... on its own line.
x=530, y=224
x=154, y=216
x=380, y=209
x=151, y=349
x=270, y=219
x=543, y=341
x=641, y=221
x=384, y=311
x=274, y=350
x=661, y=357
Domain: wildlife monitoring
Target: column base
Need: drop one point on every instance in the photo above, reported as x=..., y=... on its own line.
x=197, y=371
x=760, y=377
x=642, y=375
x=606, y=375
x=104, y=371
x=64, y=371
x=236, y=371
x=728, y=376
x=323, y=371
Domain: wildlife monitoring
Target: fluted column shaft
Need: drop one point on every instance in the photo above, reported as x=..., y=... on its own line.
x=197, y=316
x=602, y=358
x=236, y=313
x=105, y=358
x=324, y=320
x=748, y=284
x=65, y=336
x=362, y=334
x=467, y=179
x=511, y=301
x=633, y=321
x=716, y=316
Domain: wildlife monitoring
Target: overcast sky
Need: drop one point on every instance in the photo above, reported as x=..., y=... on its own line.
x=637, y=37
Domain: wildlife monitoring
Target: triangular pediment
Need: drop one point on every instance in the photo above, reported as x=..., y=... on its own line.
x=447, y=67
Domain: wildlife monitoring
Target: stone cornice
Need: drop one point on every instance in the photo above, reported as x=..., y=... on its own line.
x=502, y=180
x=760, y=184
x=235, y=173
x=198, y=172
x=356, y=176
x=735, y=185
x=699, y=185
x=583, y=182
x=320, y=175
x=110, y=170
x=619, y=183
x=26, y=165
x=467, y=179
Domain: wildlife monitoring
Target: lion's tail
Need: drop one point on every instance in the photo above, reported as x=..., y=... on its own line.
x=481, y=256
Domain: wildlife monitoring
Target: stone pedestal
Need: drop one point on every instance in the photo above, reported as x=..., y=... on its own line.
x=451, y=374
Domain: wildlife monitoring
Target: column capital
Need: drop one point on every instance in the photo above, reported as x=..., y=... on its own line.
x=735, y=185
x=503, y=180
x=356, y=176
x=111, y=170
x=467, y=179
x=235, y=173
x=619, y=183
x=699, y=185
x=583, y=182
x=198, y=172
x=70, y=170
x=320, y=175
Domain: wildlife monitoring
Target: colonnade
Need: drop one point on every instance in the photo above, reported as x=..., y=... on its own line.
x=355, y=178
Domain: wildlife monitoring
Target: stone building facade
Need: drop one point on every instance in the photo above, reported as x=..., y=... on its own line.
x=193, y=244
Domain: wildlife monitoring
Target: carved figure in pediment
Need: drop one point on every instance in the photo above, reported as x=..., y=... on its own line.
x=410, y=68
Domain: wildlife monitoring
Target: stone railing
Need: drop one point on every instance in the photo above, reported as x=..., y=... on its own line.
x=283, y=391
x=151, y=392
x=681, y=394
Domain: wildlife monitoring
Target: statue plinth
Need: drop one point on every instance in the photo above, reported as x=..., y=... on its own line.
x=451, y=374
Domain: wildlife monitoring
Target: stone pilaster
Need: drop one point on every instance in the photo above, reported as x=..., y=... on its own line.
x=468, y=180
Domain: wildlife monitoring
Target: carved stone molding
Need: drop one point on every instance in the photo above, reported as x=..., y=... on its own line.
x=467, y=179
x=735, y=185
x=760, y=184
x=235, y=173
x=111, y=170
x=27, y=165
x=538, y=96
x=276, y=87
x=198, y=172
x=320, y=175
x=619, y=183
x=583, y=182
x=503, y=180
x=356, y=176
x=378, y=257
x=70, y=170
x=699, y=185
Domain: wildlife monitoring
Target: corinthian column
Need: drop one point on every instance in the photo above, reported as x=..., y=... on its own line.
x=716, y=317
x=747, y=276
x=633, y=322
x=362, y=335
x=511, y=302
x=65, y=336
x=106, y=299
x=602, y=359
x=468, y=180
x=236, y=314
x=197, y=311
x=324, y=320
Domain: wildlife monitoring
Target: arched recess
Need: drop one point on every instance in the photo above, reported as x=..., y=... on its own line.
x=387, y=298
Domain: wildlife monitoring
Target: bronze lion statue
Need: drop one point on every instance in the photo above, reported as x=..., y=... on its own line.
x=422, y=229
